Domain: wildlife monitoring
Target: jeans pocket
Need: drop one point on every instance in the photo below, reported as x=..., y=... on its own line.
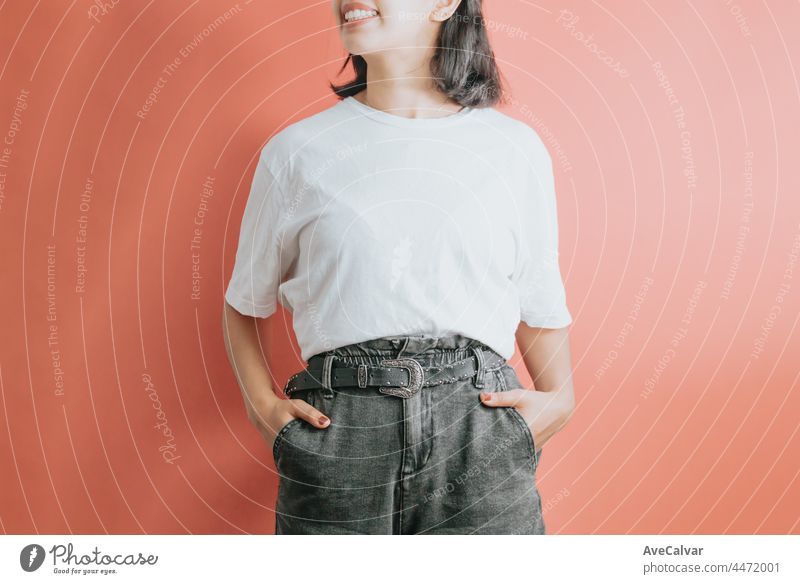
x=532, y=450
x=508, y=379
x=277, y=446
x=279, y=437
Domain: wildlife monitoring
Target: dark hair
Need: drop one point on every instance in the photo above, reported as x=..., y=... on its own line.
x=463, y=65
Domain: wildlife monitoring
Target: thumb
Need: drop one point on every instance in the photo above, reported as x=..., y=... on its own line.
x=501, y=398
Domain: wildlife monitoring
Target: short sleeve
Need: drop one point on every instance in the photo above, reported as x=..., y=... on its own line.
x=537, y=273
x=259, y=266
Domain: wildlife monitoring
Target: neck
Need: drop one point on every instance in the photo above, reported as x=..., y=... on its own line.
x=404, y=86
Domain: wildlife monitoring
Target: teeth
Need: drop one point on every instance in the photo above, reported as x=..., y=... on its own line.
x=352, y=15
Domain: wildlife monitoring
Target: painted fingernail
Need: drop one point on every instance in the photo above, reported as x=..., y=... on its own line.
x=486, y=396
x=323, y=420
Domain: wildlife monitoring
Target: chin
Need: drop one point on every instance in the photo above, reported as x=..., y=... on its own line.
x=360, y=48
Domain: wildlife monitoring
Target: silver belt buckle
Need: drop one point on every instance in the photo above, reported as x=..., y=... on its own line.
x=416, y=376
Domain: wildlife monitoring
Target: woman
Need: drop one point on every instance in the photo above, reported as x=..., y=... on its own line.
x=411, y=231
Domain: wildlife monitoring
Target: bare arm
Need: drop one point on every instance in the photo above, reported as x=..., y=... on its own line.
x=265, y=410
x=244, y=355
x=547, y=356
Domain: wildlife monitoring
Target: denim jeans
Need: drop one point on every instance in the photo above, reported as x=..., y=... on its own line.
x=437, y=462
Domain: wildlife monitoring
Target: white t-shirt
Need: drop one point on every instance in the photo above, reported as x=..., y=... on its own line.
x=365, y=224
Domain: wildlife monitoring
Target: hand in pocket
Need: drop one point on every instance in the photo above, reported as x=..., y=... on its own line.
x=271, y=417
x=521, y=400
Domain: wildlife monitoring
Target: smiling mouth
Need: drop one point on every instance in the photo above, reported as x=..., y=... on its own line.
x=356, y=12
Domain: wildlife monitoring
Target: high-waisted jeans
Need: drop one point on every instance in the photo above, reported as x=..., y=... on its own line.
x=437, y=462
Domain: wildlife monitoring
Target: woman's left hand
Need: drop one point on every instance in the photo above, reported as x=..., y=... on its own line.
x=545, y=412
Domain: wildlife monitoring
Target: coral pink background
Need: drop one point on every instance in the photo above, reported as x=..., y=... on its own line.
x=679, y=220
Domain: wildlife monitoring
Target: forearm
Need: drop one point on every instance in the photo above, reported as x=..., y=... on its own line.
x=546, y=354
x=244, y=353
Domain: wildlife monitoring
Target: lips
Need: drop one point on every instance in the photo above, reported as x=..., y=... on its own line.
x=349, y=6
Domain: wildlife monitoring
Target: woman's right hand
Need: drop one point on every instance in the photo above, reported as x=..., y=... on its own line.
x=270, y=417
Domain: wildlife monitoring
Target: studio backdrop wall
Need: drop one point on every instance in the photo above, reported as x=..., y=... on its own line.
x=130, y=132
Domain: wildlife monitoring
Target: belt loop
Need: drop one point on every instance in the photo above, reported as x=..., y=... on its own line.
x=327, y=365
x=362, y=375
x=479, y=375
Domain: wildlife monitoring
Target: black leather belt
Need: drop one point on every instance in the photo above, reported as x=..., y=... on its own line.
x=401, y=377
